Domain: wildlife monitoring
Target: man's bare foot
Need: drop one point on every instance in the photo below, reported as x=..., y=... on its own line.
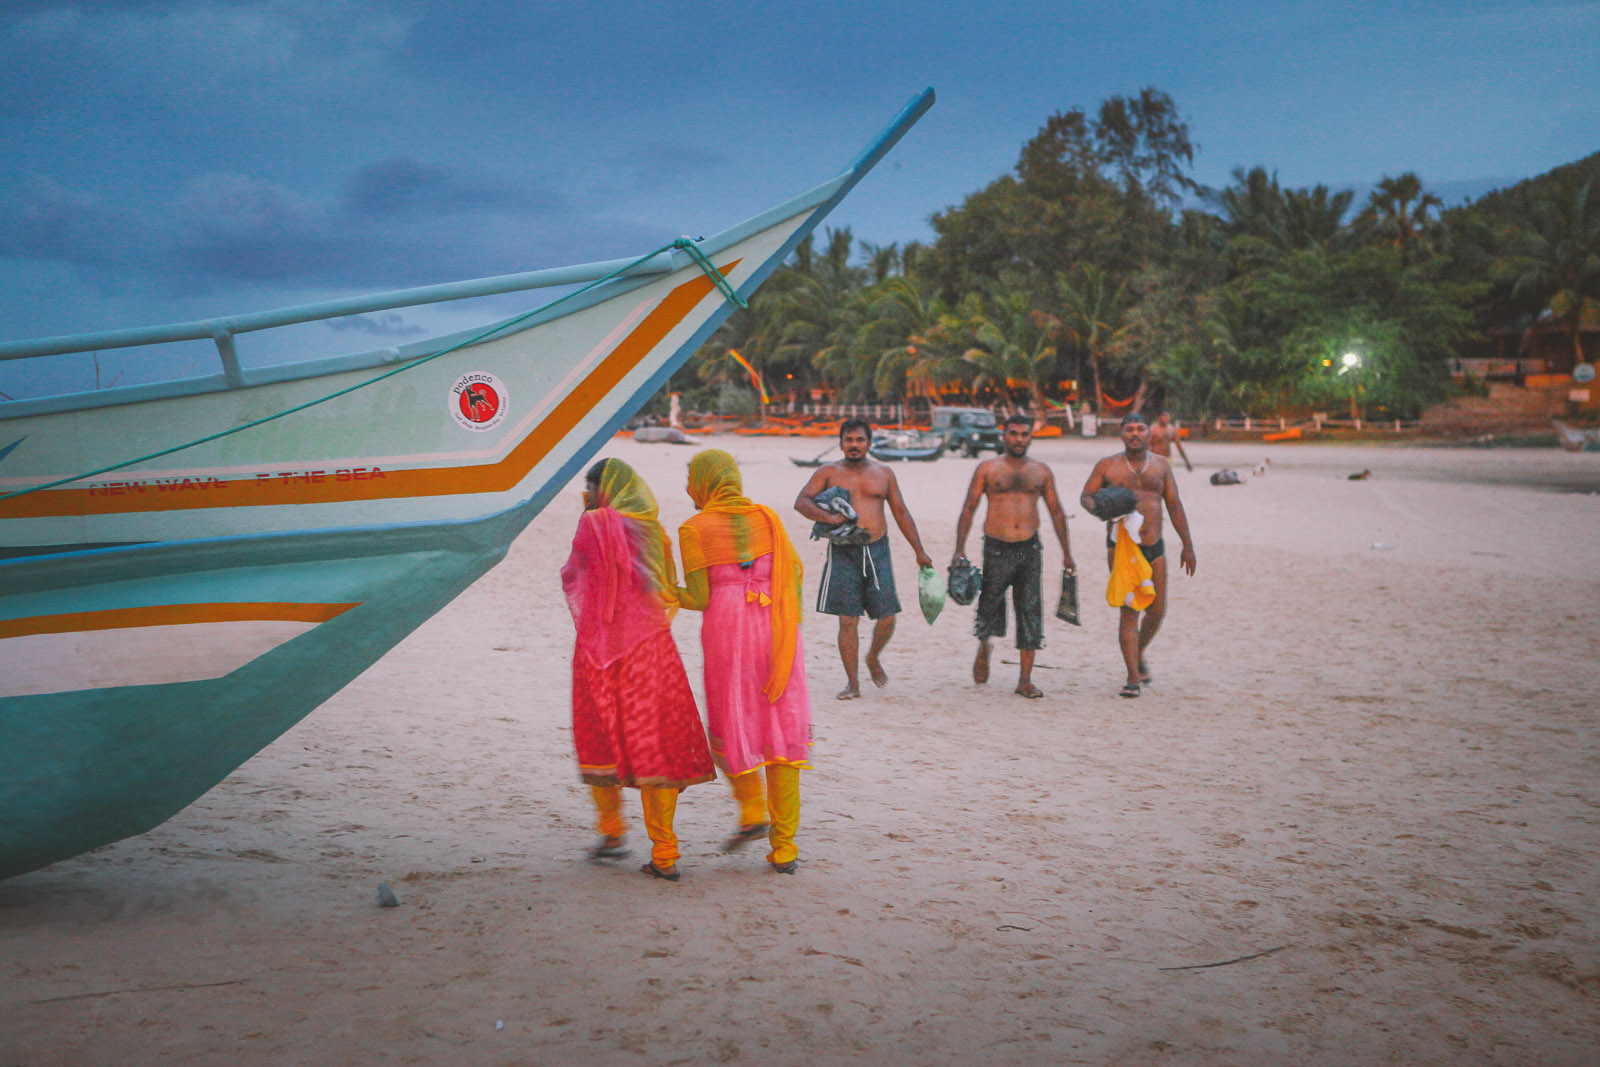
x=849, y=692
x=880, y=677
x=1029, y=690
x=980, y=666
x=1144, y=672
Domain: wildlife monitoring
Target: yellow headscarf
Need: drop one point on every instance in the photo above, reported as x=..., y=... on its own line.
x=623, y=491
x=732, y=529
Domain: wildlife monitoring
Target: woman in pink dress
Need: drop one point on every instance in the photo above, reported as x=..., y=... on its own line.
x=741, y=569
x=634, y=720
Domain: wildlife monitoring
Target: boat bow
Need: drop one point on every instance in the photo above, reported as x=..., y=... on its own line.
x=189, y=568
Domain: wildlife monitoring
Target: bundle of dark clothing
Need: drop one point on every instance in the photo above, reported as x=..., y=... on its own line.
x=836, y=500
x=964, y=583
x=1113, y=502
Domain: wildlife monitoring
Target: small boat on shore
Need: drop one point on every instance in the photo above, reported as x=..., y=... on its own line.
x=662, y=435
x=189, y=568
x=1576, y=439
x=890, y=447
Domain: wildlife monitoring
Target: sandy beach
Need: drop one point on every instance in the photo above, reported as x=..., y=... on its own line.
x=1355, y=819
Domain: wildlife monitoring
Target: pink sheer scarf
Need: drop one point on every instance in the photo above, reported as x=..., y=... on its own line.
x=613, y=604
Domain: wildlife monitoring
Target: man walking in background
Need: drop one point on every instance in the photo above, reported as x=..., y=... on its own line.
x=859, y=579
x=1164, y=437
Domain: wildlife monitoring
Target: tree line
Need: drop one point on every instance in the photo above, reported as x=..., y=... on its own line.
x=1099, y=267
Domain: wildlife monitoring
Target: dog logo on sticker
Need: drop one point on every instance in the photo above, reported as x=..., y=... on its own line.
x=478, y=401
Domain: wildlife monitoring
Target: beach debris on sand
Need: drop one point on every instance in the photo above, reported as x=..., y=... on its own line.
x=662, y=435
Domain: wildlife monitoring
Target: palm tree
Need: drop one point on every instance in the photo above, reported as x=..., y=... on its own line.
x=1313, y=218
x=1252, y=206
x=758, y=334
x=1256, y=209
x=914, y=335
x=820, y=309
x=1015, y=342
x=1558, y=255
x=1399, y=207
x=1095, y=316
x=883, y=261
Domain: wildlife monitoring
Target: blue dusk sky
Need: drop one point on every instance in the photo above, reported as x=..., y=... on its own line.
x=165, y=160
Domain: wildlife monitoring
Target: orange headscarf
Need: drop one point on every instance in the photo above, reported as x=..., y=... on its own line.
x=732, y=529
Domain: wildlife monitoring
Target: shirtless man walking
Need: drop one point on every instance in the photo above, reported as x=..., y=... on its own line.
x=1150, y=478
x=1012, y=553
x=859, y=579
x=1164, y=438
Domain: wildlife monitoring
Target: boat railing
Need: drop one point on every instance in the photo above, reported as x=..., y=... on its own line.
x=592, y=281
x=223, y=329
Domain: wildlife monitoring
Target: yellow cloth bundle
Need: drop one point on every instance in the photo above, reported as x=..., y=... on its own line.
x=1132, y=582
x=732, y=529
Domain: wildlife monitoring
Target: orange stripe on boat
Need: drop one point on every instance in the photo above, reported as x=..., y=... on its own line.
x=425, y=481
x=170, y=615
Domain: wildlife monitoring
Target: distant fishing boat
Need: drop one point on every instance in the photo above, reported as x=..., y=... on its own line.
x=889, y=447
x=1574, y=439
x=189, y=568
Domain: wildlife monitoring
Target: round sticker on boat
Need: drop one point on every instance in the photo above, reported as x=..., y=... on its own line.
x=478, y=400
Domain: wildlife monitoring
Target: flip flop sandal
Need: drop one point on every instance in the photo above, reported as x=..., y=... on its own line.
x=656, y=872
x=609, y=849
x=786, y=868
x=1129, y=691
x=744, y=836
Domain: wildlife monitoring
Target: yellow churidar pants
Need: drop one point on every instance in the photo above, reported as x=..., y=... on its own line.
x=660, y=806
x=778, y=806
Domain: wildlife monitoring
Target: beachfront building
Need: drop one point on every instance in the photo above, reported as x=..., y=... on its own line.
x=1543, y=358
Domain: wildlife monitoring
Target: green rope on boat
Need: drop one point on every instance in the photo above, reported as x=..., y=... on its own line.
x=712, y=272
x=683, y=243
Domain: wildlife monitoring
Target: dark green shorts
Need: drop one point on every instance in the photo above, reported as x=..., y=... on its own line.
x=859, y=580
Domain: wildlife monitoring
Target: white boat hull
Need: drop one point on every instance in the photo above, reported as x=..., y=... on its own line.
x=162, y=621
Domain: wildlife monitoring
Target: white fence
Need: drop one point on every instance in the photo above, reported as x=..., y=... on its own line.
x=1317, y=422
x=882, y=414
x=1497, y=368
x=876, y=413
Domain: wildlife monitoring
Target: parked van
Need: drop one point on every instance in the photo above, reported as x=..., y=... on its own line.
x=969, y=430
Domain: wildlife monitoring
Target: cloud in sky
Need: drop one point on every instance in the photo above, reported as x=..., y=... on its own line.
x=43, y=219
x=236, y=226
x=165, y=159
x=399, y=221
x=403, y=186
x=662, y=163
x=197, y=54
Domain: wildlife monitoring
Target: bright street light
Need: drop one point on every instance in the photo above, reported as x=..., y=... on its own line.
x=1351, y=361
